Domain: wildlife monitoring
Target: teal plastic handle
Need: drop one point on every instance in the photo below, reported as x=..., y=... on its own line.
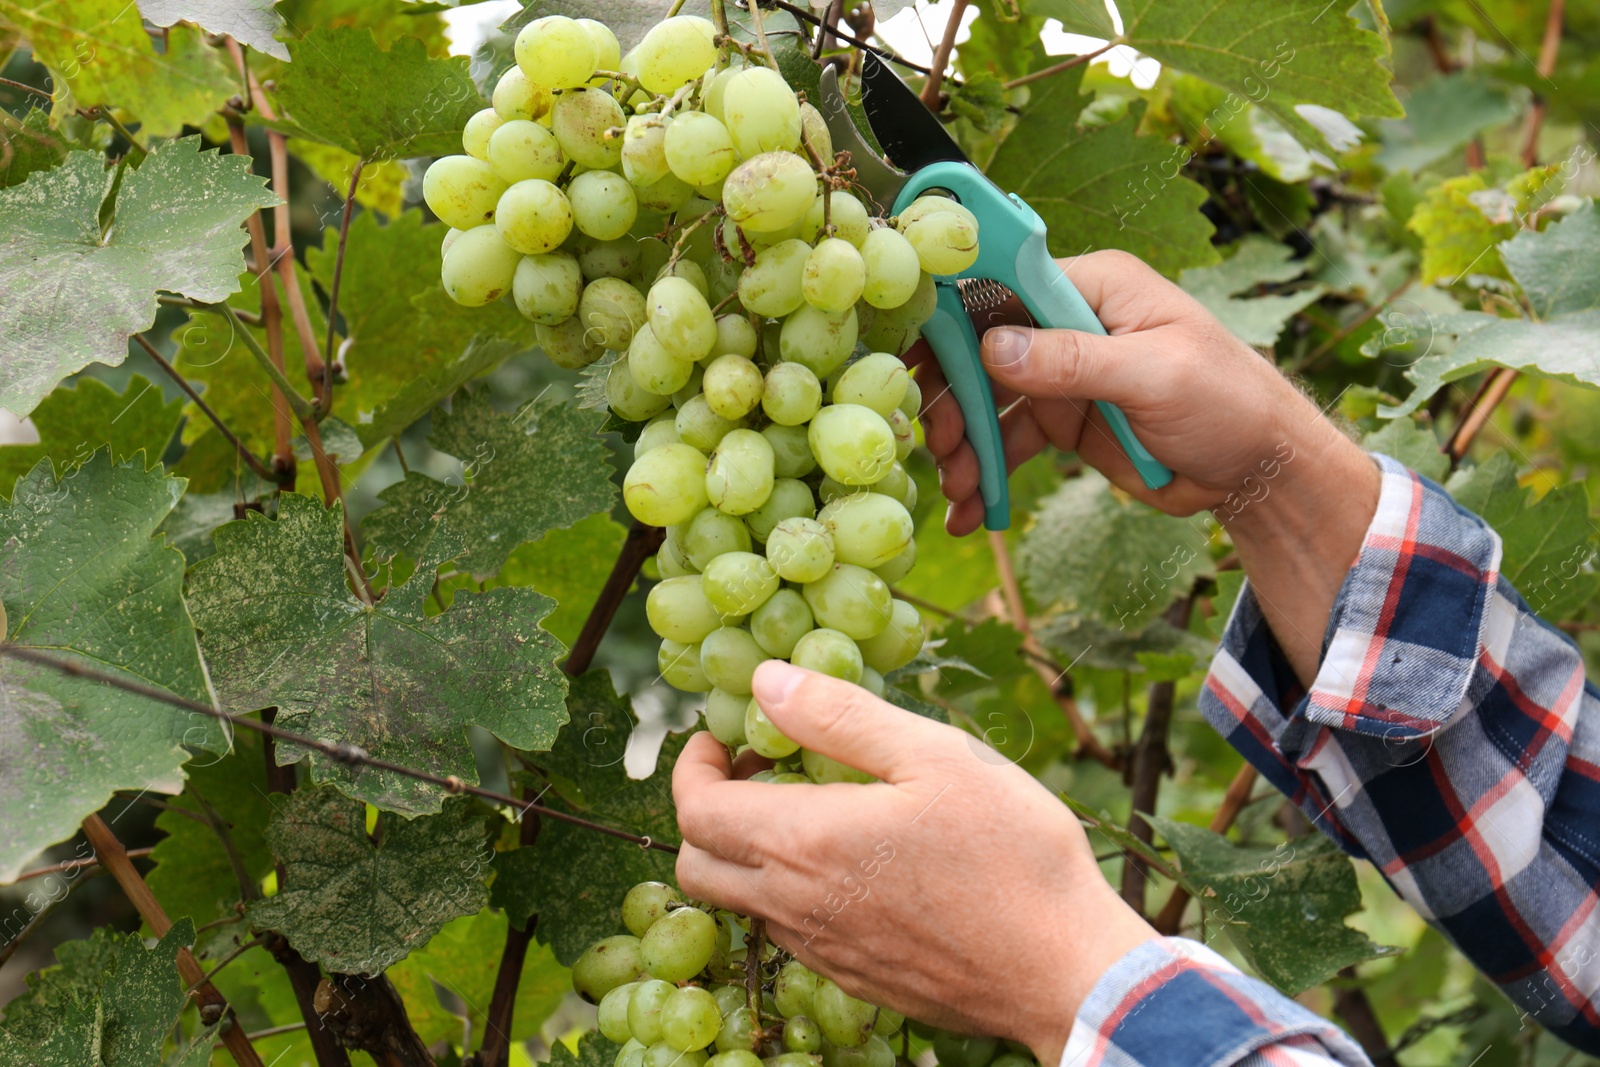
x=1012, y=250
x=955, y=343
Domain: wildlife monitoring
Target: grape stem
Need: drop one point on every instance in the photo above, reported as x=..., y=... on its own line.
x=688, y=231
x=754, y=944
x=627, y=80
x=260, y=466
x=761, y=35
x=325, y=401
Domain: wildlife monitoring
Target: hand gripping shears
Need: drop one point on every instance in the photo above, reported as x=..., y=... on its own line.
x=1012, y=259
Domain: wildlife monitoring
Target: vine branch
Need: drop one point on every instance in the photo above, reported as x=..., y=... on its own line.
x=27, y=88
x=1479, y=408
x=1233, y=802
x=941, y=56
x=251, y=460
x=831, y=29
x=1057, y=68
x=333, y=288
x=1549, y=48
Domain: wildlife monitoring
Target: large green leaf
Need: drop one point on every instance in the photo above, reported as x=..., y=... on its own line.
x=1414, y=445
x=1095, y=551
x=82, y=579
x=121, y=1015
x=358, y=905
x=1254, y=261
x=80, y=968
x=28, y=144
x=1556, y=267
x=281, y=628
x=74, y=422
x=1249, y=132
x=72, y=291
x=98, y=53
x=573, y=878
x=1442, y=114
x=1102, y=188
x=1463, y=220
x=1288, y=904
x=569, y=566
x=343, y=89
x=250, y=22
x=526, y=473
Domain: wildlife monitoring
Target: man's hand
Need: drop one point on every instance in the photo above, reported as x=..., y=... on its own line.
x=956, y=889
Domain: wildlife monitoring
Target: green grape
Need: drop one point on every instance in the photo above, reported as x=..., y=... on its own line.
x=738, y=1057
x=679, y=944
x=791, y=451
x=533, y=216
x=800, y=1034
x=728, y=657
x=794, y=988
x=735, y=337
x=605, y=965
x=725, y=716
x=846, y=214
x=475, y=134
x=691, y=389
x=834, y=275
x=519, y=150
x=621, y=258
x=722, y=283
x=480, y=268
x=869, y=529
x=614, y=1013
x=737, y=583
x=877, y=381
x=853, y=444
x=866, y=316
x=761, y=112
x=800, y=550
x=666, y=485
x=765, y=738
x=681, y=318
x=631, y=1054
x=911, y=404
x=547, y=287
x=710, y=533
x=821, y=340
x=815, y=133
x=607, y=52
x=850, y=599
x=556, y=52
x=582, y=121
x=613, y=310
x=935, y=203
x=874, y=1052
x=699, y=150
x=674, y=53
x=791, y=394
x=731, y=997
x=644, y=904
x=945, y=242
x=961, y=1050
x=626, y=399
x=718, y=88
x=901, y=565
x=666, y=195
x=657, y=432
x=644, y=1009
x=662, y=1054
x=515, y=97
x=825, y=770
x=828, y=652
x=896, y=644
x=450, y=237
x=464, y=192
x=700, y=426
x=733, y=386
x=687, y=271
x=845, y=1021
x=769, y=192
x=603, y=204
x=905, y=434
x=897, y=483
x=644, y=152
x=739, y=1022
x=790, y=498
x=679, y=665
x=780, y=622
x=672, y=563
x=893, y=269
x=872, y=682
x=794, y=1059
x=678, y=608
x=773, y=286
x=739, y=477
x=653, y=367
x=830, y=490
x=690, y=1019
x=567, y=343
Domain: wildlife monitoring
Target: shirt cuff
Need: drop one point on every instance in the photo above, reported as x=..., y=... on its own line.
x=1172, y=1001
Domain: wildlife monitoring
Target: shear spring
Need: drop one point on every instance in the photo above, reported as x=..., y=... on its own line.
x=982, y=294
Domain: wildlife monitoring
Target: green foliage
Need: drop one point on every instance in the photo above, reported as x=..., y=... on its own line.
x=1256, y=261
x=1442, y=114
x=74, y=421
x=254, y=23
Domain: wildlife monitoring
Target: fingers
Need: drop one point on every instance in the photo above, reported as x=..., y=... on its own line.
x=844, y=721
x=705, y=875
x=1125, y=292
x=716, y=812
x=1057, y=364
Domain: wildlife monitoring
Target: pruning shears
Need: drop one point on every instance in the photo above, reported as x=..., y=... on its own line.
x=1013, y=259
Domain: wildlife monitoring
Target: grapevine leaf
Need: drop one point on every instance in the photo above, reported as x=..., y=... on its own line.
x=83, y=965
x=126, y=1017
x=280, y=627
x=82, y=579
x=1556, y=267
x=1105, y=187
x=99, y=54
x=1209, y=111
x=1411, y=444
x=1288, y=903
x=189, y=526
x=977, y=657
x=1462, y=222
x=1254, y=261
x=981, y=100
x=454, y=962
x=574, y=878
x=594, y=1048
x=388, y=22
x=905, y=700
x=408, y=345
x=343, y=89
x=1093, y=551
x=1442, y=115
x=568, y=566
x=258, y=989
x=1091, y=643
x=74, y=422
x=382, y=184
x=250, y=22
x=525, y=474
x=71, y=293
x=359, y=905
x=1090, y=18
x=28, y=144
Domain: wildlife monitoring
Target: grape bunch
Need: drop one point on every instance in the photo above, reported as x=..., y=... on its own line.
x=673, y=992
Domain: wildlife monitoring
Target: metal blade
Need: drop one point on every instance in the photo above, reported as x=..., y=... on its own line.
x=910, y=134
x=880, y=179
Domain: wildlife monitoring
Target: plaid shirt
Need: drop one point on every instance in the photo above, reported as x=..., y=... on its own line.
x=1451, y=739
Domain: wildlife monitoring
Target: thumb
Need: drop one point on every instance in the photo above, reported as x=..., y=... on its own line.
x=1059, y=364
x=844, y=721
